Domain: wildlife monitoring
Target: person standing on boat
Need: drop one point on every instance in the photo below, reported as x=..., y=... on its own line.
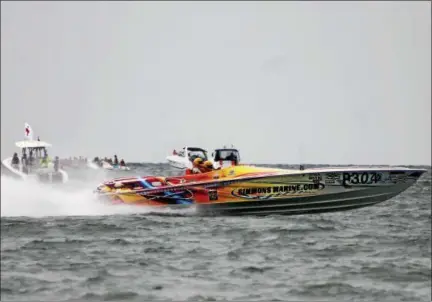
x=56, y=164
x=15, y=161
x=115, y=160
x=44, y=161
x=24, y=162
x=31, y=158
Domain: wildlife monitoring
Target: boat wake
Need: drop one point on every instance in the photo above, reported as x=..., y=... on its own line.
x=32, y=199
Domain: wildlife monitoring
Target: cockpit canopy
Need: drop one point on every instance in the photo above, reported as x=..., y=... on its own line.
x=227, y=155
x=194, y=152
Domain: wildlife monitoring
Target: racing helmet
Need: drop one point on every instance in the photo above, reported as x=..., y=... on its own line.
x=208, y=164
x=198, y=161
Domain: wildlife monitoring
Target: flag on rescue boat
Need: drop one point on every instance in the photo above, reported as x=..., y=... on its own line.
x=28, y=132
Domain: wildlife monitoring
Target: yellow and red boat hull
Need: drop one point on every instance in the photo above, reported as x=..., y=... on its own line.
x=248, y=189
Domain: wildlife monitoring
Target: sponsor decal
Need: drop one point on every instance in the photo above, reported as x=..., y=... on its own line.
x=332, y=178
x=276, y=191
x=397, y=176
x=213, y=195
x=315, y=177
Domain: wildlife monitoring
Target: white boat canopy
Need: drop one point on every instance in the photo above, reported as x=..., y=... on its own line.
x=32, y=144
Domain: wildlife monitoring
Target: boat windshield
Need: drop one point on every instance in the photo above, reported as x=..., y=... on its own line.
x=227, y=155
x=192, y=154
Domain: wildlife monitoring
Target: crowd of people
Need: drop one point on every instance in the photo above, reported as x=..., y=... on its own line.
x=199, y=165
x=74, y=161
x=35, y=160
x=115, y=162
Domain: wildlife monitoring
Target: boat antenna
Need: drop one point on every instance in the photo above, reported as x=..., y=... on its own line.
x=301, y=166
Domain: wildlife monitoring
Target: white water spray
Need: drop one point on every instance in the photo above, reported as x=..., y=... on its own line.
x=33, y=199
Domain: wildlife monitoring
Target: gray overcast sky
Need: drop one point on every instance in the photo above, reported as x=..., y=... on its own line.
x=286, y=82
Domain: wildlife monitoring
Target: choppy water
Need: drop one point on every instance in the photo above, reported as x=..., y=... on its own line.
x=60, y=244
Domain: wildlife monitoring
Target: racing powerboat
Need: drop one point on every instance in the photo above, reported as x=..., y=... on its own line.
x=241, y=189
x=46, y=174
x=221, y=157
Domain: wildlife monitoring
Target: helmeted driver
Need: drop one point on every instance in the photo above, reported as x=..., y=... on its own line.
x=197, y=166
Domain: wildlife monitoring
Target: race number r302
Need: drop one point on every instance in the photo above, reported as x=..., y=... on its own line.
x=360, y=178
